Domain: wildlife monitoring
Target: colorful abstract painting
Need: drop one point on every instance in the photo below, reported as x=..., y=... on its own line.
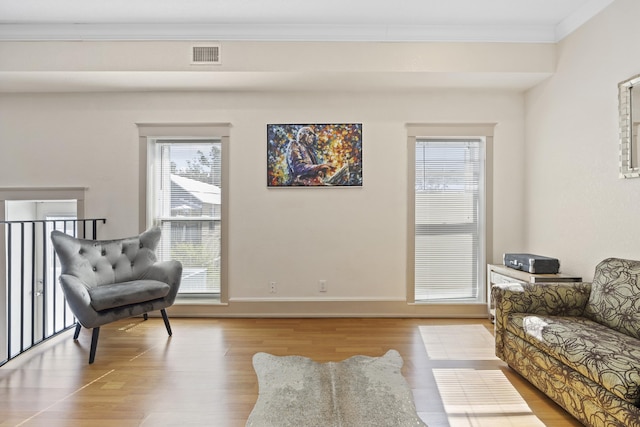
x=313, y=155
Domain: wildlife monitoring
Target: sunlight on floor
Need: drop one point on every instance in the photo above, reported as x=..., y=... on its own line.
x=482, y=398
x=458, y=342
x=473, y=397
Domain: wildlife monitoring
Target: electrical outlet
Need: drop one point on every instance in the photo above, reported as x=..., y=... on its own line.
x=273, y=287
x=322, y=285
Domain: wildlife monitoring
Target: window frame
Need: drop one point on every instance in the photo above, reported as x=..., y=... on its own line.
x=417, y=131
x=150, y=132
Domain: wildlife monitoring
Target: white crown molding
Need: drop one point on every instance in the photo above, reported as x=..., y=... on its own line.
x=579, y=17
x=414, y=20
x=268, y=32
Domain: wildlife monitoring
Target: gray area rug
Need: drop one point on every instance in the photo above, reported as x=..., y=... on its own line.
x=357, y=392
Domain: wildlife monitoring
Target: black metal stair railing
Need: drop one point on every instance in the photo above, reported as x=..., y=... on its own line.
x=32, y=305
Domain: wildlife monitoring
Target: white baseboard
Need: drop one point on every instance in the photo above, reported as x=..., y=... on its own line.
x=326, y=308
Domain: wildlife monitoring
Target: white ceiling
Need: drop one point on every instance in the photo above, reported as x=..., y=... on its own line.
x=379, y=20
x=525, y=21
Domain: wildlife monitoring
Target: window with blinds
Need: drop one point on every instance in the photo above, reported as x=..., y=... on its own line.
x=187, y=202
x=449, y=219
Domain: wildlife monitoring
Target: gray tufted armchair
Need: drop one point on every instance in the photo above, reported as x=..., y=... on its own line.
x=108, y=280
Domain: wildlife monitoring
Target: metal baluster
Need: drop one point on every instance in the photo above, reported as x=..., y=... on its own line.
x=55, y=293
x=33, y=283
x=64, y=299
x=21, y=287
x=45, y=255
x=9, y=293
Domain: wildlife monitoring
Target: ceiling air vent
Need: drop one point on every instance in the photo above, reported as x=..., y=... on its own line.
x=205, y=55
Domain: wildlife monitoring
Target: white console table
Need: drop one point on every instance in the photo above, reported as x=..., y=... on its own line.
x=502, y=274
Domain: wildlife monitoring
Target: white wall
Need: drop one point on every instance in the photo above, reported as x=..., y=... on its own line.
x=355, y=238
x=577, y=209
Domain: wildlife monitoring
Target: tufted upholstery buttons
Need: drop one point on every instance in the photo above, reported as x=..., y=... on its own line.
x=93, y=258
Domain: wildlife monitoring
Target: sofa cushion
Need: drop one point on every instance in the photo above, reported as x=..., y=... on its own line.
x=114, y=295
x=615, y=296
x=601, y=354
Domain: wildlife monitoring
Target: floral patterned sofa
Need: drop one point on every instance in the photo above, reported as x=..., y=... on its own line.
x=579, y=343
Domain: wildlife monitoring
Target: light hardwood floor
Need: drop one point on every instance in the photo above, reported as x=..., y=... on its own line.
x=203, y=376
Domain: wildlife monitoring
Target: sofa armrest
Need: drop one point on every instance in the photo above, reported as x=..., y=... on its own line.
x=550, y=299
x=169, y=272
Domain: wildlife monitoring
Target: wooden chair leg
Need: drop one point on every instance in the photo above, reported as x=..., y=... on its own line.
x=94, y=344
x=166, y=321
x=76, y=334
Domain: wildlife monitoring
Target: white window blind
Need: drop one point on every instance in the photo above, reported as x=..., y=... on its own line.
x=187, y=204
x=449, y=192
